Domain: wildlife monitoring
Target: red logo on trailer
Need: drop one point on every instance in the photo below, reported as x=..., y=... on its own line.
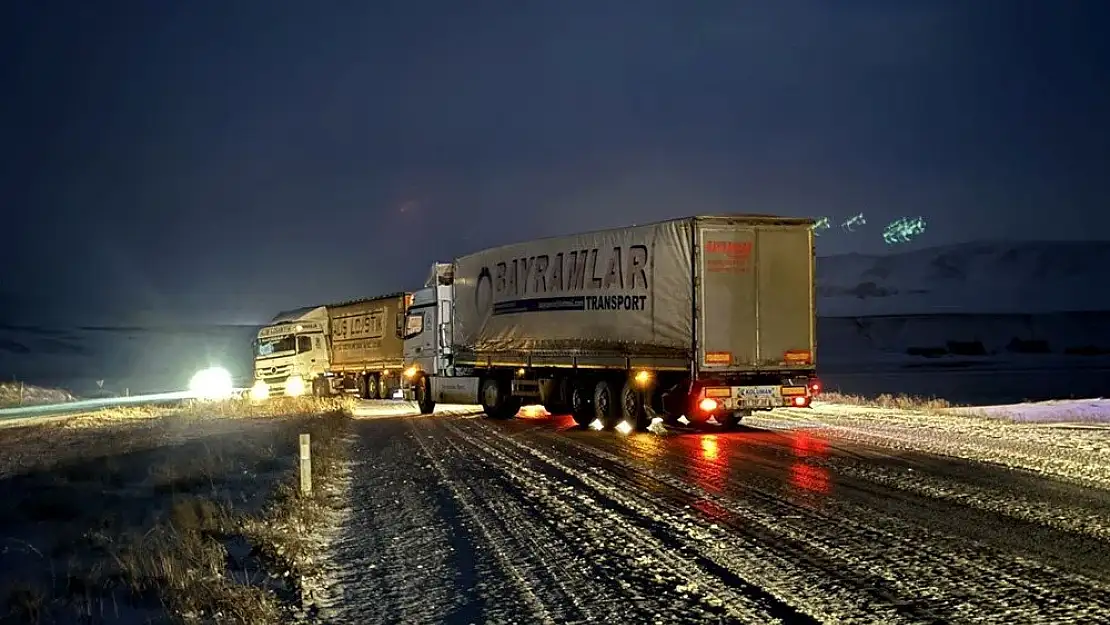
x=736, y=256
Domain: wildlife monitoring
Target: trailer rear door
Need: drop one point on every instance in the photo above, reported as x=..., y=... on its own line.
x=755, y=295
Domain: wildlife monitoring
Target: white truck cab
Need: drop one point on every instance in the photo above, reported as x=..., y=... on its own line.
x=427, y=333
x=291, y=353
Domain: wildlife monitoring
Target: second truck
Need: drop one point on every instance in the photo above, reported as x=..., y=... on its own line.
x=707, y=318
x=346, y=348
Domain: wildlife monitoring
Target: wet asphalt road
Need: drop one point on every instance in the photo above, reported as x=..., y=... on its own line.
x=466, y=520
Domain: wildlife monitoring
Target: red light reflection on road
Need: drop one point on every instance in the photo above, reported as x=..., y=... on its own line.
x=807, y=476
x=711, y=470
x=709, y=447
x=562, y=422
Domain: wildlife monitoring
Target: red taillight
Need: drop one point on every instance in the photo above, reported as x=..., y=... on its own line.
x=801, y=401
x=708, y=404
x=815, y=387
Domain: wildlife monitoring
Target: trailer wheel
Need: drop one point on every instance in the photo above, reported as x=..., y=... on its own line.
x=606, y=404
x=383, y=387
x=423, y=394
x=496, y=401
x=371, y=386
x=580, y=402
x=632, y=405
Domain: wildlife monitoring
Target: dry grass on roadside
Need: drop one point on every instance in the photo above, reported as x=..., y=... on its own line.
x=283, y=532
x=891, y=402
x=158, y=520
x=16, y=393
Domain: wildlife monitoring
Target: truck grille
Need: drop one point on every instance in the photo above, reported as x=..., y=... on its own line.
x=275, y=374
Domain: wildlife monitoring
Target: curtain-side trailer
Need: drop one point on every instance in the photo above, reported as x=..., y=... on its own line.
x=706, y=317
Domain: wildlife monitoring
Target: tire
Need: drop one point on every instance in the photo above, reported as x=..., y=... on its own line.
x=371, y=386
x=632, y=406
x=363, y=382
x=496, y=401
x=580, y=401
x=424, y=396
x=383, y=387
x=606, y=404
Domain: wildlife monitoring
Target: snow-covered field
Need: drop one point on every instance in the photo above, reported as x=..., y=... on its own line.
x=1062, y=439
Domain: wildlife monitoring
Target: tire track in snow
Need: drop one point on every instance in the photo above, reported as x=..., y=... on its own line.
x=960, y=580
x=689, y=586
x=799, y=594
x=393, y=560
x=548, y=559
x=506, y=551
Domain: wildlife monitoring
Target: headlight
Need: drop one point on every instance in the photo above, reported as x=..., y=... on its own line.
x=294, y=387
x=212, y=383
x=260, y=391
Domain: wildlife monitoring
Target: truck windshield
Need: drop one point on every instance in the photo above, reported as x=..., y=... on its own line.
x=275, y=345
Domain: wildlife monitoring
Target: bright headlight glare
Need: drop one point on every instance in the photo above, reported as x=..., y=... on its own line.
x=260, y=391
x=294, y=387
x=211, y=383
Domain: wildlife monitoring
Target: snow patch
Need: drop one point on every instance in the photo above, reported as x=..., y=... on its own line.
x=1014, y=436
x=1055, y=411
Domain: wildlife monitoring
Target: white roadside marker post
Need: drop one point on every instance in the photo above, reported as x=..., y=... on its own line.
x=306, y=466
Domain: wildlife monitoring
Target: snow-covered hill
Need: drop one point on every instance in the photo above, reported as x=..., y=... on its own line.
x=983, y=277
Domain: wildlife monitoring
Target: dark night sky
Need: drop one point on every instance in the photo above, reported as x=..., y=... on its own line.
x=217, y=161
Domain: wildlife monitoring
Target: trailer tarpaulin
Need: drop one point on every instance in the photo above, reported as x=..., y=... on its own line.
x=627, y=290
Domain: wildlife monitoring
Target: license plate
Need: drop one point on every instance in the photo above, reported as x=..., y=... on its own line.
x=758, y=396
x=760, y=391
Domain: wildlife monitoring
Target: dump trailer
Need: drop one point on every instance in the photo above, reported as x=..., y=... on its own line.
x=350, y=347
x=366, y=350
x=707, y=318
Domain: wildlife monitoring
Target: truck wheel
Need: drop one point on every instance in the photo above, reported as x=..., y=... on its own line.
x=632, y=406
x=496, y=402
x=606, y=404
x=383, y=387
x=371, y=386
x=424, y=396
x=580, y=402
x=363, y=382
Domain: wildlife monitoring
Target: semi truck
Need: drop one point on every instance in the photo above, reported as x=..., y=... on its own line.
x=350, y=347
x=706, y=318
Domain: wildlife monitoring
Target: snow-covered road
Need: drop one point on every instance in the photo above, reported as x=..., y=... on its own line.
x=458, y=519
